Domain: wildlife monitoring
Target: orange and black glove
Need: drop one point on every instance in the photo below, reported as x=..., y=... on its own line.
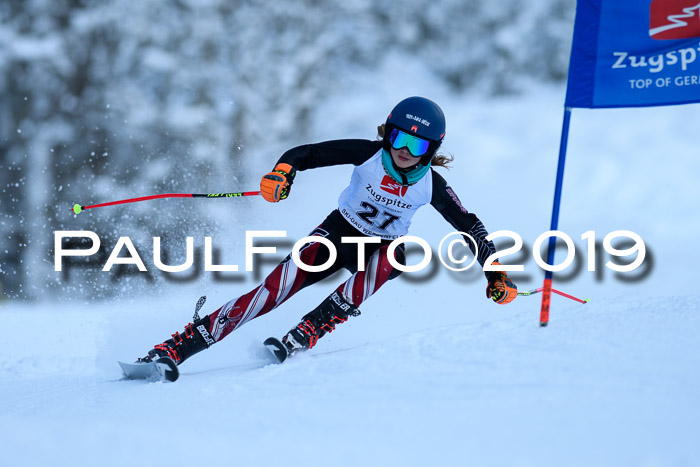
x=500, y=289
x=275, y=186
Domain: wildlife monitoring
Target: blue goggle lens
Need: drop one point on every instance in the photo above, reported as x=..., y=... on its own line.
x=415, y=145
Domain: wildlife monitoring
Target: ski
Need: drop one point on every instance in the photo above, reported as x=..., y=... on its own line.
x=164, y=369
x=277, y=349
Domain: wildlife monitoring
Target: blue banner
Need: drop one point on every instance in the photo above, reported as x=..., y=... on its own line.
x=633, y=53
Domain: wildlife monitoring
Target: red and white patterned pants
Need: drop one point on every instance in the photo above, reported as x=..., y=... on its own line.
x=287, y=279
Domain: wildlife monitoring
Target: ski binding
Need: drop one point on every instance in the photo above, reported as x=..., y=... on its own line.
x=164, y=369
x=277, y=349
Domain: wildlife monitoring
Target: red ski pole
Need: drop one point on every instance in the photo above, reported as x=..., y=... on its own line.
x=532, y=292
x=77, y=208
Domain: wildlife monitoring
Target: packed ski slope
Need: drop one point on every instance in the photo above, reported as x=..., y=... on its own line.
x=614, y=384
x=431, y=373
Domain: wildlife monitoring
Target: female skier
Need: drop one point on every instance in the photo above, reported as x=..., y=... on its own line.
x=392, y=178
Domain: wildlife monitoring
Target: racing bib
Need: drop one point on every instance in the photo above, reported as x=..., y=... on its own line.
x=377, y=205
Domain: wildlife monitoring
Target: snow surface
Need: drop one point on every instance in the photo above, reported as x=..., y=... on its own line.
x=431, y=373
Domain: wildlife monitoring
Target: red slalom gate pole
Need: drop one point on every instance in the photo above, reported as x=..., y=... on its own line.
x=77, y=208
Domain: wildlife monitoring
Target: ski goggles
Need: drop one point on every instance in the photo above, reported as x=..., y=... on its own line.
x=415, y=145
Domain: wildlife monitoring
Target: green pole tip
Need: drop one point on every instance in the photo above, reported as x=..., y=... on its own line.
x=77, y=208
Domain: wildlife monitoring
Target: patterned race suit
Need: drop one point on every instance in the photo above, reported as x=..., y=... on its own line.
x=371, y=206
x=287, y=279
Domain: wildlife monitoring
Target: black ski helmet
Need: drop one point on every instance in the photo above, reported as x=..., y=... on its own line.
x=421, y=117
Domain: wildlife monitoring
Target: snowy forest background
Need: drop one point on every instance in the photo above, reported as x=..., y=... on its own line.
x=104, y=100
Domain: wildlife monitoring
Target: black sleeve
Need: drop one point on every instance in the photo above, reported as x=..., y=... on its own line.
x=342, y=151
x=448, y=204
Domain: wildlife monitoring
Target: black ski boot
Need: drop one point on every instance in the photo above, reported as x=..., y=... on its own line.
x=323, y=319
x=182, y=346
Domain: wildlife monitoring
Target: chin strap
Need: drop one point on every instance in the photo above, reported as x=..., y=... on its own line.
x=402, y=174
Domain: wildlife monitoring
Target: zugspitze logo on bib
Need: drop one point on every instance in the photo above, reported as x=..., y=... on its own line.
x=390, y=186
x=674, y=19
